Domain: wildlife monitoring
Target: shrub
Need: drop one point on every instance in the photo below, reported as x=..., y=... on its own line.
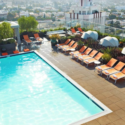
x=5, y=31
x=70, y=37
x=115, y=52
x=121, y=58
x=107, y=50
x=106, y=57
x=51, y=29
x=54, y=37
x=80, y=43
x=7, y=41
x=122, y=40
x=27, y=23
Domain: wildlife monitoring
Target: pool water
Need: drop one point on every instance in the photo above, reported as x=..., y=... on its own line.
x=33, y=93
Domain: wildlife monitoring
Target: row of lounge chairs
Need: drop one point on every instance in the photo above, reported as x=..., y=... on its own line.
x=36, y=36
x=67, y=46
x=85, y=54
x=75, y=32
x=113, y=69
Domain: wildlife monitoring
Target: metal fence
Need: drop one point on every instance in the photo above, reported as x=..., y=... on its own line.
x=83, y=23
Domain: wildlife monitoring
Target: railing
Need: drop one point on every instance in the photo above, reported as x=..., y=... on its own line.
x=86, y=24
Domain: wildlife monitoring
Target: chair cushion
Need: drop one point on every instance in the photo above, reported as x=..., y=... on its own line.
x=16, y=51
x=4, y=54
x=26, y=50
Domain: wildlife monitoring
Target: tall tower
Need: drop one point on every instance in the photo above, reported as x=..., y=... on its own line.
x=85, y=10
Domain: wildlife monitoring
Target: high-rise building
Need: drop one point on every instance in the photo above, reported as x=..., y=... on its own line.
x=85, y=10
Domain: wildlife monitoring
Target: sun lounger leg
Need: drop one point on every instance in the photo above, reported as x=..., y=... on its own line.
x=87, y=64
x=107, y=77
x=82, y=62
x=115, y=81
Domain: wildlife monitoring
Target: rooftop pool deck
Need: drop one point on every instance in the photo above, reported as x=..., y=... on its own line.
x=110, y=94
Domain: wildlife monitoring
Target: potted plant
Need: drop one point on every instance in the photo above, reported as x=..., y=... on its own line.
x=54, y=39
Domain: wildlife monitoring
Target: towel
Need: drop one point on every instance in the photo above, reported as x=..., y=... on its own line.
x=80, y=57
x=86, y=61
x=106, y=72
x=76, y=55
x=65, y=49
x=99, y=68
x=114, y=76
x=71, y=53
x=57, y=44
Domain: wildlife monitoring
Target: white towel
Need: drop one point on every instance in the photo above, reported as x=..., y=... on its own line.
x=106, y=71
x=114, y=76
x=80, y=57
x=57, y=44
x=76, y=55
x=71, y=52
x=99, y=67
x=65, y=49
x=87, y=61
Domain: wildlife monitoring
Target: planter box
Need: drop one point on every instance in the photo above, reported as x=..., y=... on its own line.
x=8, y=47
x=53, y=42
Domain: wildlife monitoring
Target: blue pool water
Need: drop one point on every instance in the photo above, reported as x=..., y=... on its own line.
x=33, y=93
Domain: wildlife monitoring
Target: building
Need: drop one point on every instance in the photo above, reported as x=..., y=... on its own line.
x=3, y=14
x=24, y=13
x=120, y=7
x=85, y=10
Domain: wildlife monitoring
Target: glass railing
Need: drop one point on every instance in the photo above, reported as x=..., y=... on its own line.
x=86, y=24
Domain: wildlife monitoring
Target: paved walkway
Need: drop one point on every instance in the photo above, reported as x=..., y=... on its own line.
x=113, y=96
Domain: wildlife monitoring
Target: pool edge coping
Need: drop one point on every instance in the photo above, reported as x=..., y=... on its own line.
x=82, y=121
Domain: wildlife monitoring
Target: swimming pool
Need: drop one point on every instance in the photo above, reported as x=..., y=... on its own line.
x=32, y=92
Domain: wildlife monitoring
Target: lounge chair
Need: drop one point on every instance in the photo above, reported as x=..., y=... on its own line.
x=26, y=38
x=86, y=52
x=65, y=43
x=109, y=65
x=116, y=69
x=89, y=56
x=118, y=75
x=73, y=30
x=80, y=30
x=92, y=60
x=66, y=46
x=71, y=48
x=37, y=37
x=78, y=52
